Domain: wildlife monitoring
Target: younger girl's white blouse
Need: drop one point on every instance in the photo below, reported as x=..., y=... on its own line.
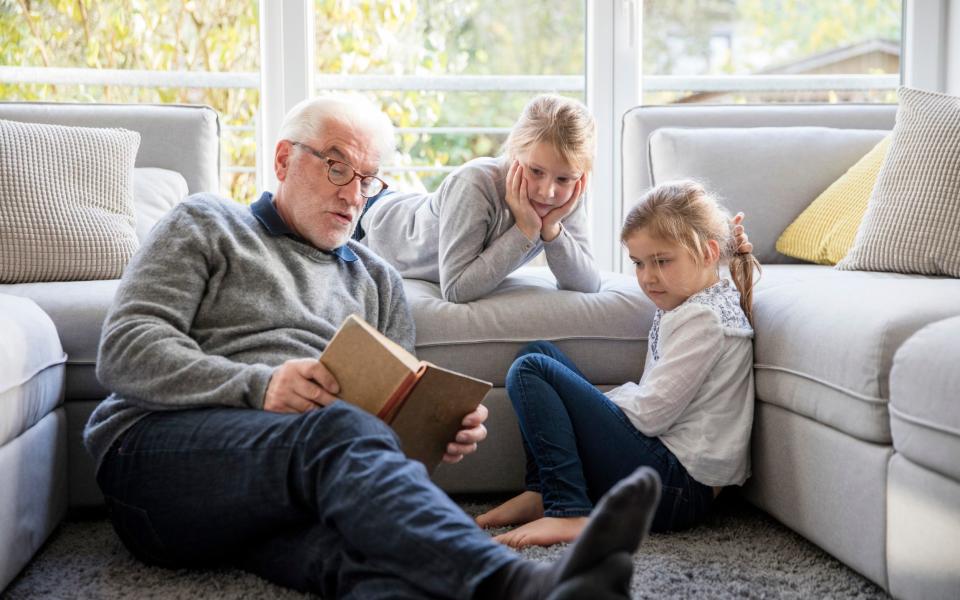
x=696, y=393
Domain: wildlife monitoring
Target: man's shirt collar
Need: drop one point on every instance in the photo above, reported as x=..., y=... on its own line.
x=266, y=212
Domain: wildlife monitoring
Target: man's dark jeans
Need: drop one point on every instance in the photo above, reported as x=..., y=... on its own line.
x=579, y=443
x=322, y=502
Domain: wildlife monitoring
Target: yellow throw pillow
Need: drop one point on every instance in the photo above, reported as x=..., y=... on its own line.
x=825, y=231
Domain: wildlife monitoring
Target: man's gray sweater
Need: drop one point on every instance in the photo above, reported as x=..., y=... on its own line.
x=214, y=301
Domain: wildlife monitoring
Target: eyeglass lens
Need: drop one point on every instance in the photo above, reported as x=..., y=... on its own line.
x=342, y=174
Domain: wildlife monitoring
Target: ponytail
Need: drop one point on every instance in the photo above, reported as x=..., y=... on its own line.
x=741, y=271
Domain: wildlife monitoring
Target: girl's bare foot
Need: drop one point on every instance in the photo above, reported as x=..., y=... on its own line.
x=524, y=508
x=545, y=531
x=599, y=563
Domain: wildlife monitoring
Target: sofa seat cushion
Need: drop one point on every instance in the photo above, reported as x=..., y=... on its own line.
x=604, y=333
x=78, y=309
x=925, y=398
x=31, y=366
x=825, y=340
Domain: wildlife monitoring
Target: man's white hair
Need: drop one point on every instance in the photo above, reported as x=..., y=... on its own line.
x=310, y=117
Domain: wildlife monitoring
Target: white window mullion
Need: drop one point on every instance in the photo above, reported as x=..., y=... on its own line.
x=286, y=72
x=613, y=87
x=925, y=44
x=953, y=48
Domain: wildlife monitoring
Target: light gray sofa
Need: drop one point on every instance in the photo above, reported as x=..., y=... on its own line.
x=45, y=397
x=826, y=460
x=33, y=449
x=857, y=430
x=856, y=440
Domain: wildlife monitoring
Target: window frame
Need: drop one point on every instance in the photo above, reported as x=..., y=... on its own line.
x=613, y=46
x=613, y=39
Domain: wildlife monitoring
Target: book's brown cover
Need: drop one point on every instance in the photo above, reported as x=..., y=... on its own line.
x=367, y=365
x=424, y=403
x=431, y=416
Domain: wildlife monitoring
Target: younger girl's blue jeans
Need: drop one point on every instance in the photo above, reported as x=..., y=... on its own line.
x=579, y=443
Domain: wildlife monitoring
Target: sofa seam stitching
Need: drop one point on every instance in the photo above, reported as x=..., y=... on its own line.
x=857, y=395
x=922, y=422
x=526, y=339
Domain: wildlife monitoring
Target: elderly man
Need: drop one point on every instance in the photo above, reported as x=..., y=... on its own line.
x=224, y=441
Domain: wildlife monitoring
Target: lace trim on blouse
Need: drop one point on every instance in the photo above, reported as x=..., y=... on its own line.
x=722, y=297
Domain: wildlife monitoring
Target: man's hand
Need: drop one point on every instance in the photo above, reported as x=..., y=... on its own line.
x=741, y=241
x=528, y=221
x=467, y=438
x=300, y=385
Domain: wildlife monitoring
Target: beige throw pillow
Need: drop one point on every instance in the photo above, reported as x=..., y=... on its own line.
x=66, y=202
x=912, y=223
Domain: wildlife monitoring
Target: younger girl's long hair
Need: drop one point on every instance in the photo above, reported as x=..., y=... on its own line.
x=684, y=213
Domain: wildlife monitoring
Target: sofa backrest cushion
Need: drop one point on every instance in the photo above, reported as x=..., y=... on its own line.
x=640, y=122
x=825, y=230
x=155, y=192
x=182, y=138
x=770, y=173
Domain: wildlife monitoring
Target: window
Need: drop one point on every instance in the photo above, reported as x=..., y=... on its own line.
x=166, y=51
x=756, y=51
x=453, y=75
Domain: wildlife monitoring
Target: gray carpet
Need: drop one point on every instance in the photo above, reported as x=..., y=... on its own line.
x=738, y=553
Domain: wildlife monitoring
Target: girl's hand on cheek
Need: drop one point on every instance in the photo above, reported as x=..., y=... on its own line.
x=528, y=221
x=551, y=221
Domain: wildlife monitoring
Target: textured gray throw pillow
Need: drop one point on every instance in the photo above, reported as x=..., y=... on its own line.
x=66, y=202
x=912, y=223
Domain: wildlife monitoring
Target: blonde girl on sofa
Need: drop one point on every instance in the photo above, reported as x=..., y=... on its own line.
x=689, y=416
x=493, y=215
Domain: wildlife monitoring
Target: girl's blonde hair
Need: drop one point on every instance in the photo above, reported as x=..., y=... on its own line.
x=682, y=212
x=563, y=123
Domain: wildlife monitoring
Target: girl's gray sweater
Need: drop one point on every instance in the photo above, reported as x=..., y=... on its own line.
x=464, y=237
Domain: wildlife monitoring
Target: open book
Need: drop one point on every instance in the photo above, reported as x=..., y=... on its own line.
x=425, y=404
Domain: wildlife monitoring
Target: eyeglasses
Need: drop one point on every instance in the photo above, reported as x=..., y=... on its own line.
x=341, y=173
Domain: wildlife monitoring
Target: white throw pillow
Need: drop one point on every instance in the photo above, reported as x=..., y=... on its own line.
x=66, y=210
x=155, y=192
x=912, y=223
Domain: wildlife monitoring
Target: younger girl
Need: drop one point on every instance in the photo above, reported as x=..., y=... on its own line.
x=493, y=215
x=690, y=415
